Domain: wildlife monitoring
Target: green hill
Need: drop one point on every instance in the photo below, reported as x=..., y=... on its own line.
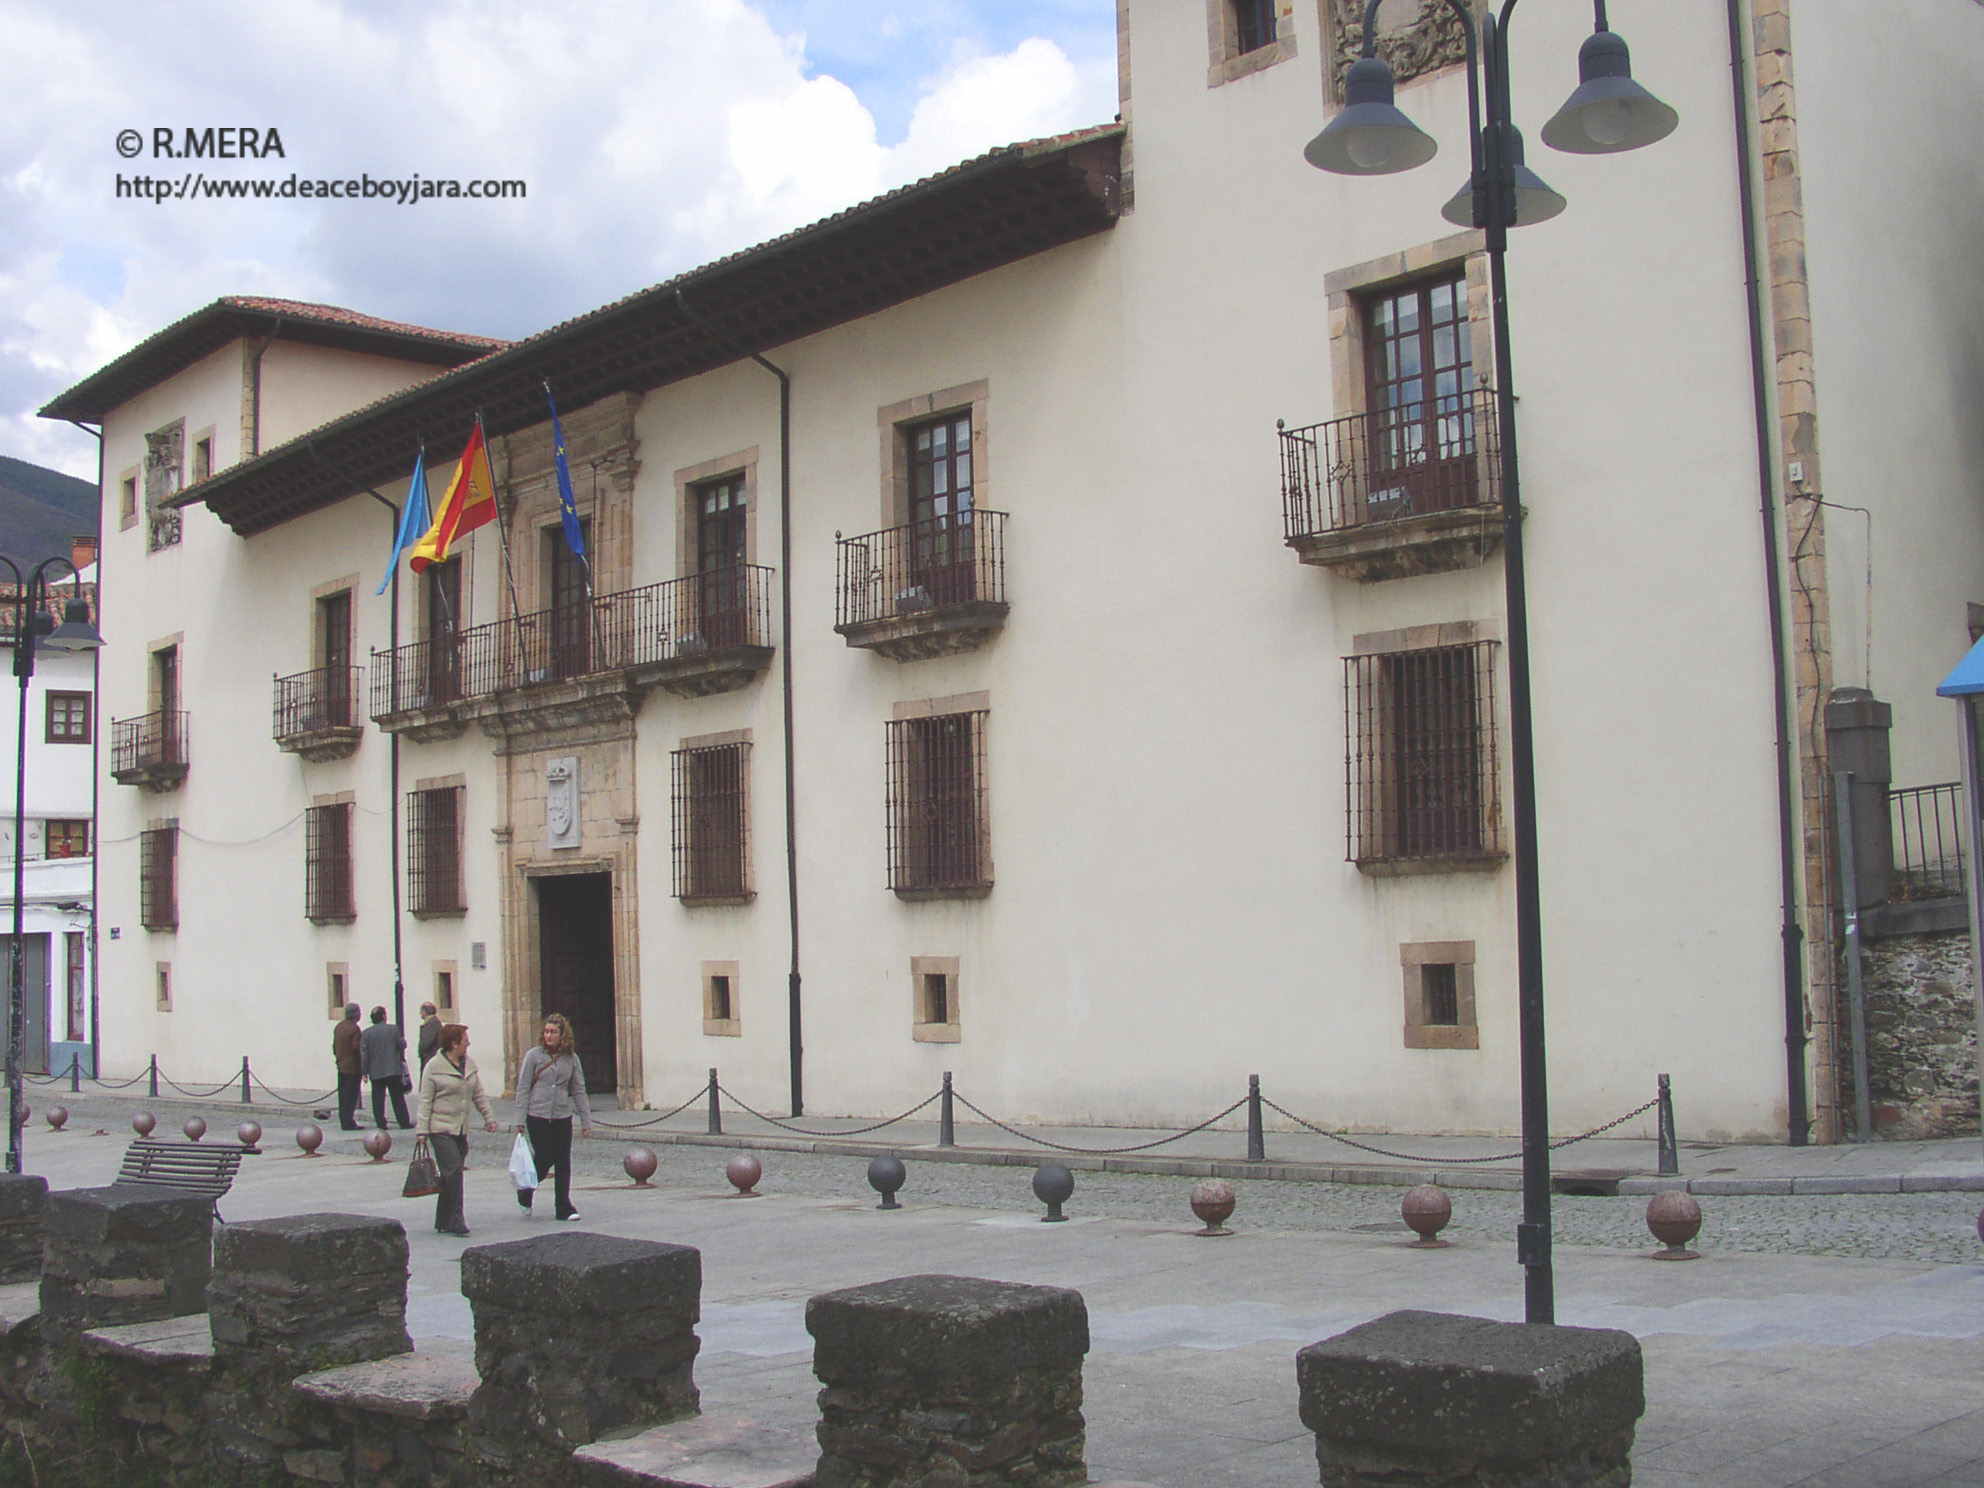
x=41, y=509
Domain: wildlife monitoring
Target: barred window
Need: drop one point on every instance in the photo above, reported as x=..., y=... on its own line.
x=937, y=827
x=327, y=893
x=67, y=839
x=1423, y=780
x=68, y=718
x=434, y=850
x=711, y=819
x=158, y=877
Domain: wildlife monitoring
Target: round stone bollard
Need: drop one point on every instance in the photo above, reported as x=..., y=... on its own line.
x=248, y=1134
x=744, y=1171
x=640, y=1163
x=195, y=1128
x=1053, y=1185
x=1675, y=1219
x=309, y=1137
x=57, y=1117
x=1426, y=1211
x=378, y=1143
x=1213, y=1200
x=886, y=1175
x=143, y=1122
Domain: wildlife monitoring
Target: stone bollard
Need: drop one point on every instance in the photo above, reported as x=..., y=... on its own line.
x=1430, y=1398
x=306, y=1292
x=578, y=1334
x=23, y=1209
x=949, y=1380
x=123, y=1254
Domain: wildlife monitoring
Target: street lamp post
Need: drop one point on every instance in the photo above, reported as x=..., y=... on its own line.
x=75, y=633
x=1609, y=112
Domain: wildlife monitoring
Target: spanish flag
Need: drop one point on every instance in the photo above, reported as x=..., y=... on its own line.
x=470, y=503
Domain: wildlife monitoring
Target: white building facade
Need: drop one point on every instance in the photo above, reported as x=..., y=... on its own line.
x=990, y=685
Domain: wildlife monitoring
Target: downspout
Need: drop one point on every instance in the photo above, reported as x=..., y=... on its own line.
x=393, y=752
x=1791, y=932
x=255, y=394
x=795, y=1043
x=96, y=754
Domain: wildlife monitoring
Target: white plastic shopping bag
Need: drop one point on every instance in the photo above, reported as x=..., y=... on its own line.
x=523, y=1165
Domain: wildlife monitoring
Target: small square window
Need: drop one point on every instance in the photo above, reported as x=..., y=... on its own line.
x=444, y=987
x=127, y=502
x=1439, y=995
x=721, y=1011
x=934, y=980
x=162, y=986
x=203, y=457
x=337, y=986
x=68, y=720
x=67, y=839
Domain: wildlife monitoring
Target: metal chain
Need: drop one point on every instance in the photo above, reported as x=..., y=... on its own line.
x=324, y=1099
x=1454, y=1162
x=1099, y=1151
x=199, y=1094
x=853, y=1132
x=635, y=1125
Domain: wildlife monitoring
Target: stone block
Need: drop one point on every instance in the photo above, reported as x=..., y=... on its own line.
x=577, y=1334
x=23, y=1203
x=1461, y=1402
x=949, y=1380
x=123, y=1254
x=309, y=1291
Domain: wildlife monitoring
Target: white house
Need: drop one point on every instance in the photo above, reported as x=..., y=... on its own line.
x=1077, y=660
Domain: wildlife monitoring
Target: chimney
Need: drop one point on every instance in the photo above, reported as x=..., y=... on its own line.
x=82, y=549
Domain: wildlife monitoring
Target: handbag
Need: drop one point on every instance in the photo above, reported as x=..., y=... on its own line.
x=423, y=1177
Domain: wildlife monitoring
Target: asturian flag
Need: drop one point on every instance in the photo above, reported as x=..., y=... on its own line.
x=414, y=517
x=470, y=503
x=568, y=504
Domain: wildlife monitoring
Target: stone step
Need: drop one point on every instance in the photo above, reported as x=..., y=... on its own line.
x=713, y=1451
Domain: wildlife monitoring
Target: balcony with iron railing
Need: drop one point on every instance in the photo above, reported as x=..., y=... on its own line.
x=928, y=588
x=693, y=636
x=316, y=713
x=1928, y=842
x=1395, y=492
x=149, y=751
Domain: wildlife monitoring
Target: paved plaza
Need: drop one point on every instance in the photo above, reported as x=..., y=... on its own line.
x=1829, y=1340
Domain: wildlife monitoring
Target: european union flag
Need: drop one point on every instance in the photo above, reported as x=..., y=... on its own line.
x=568, y=505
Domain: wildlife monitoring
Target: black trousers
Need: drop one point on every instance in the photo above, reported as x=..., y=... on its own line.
x=348, y=1101
x=450, y=1157
x=551, y=1150
x=380, y=1090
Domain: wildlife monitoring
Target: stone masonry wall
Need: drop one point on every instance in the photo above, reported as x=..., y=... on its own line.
x=1921, y=1036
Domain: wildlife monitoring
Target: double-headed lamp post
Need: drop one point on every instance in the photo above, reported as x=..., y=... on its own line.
x=75, y=633
x=1609, y=112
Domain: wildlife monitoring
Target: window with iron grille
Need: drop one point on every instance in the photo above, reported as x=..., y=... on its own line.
x=327, y=893
x=66, y=838
x=711, y=812
x=1423, y=781
x=937, y=829
x=158, y=877
x=68, y=718
x=434, y=850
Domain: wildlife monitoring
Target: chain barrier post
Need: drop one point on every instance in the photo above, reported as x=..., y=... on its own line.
x=1257, y=1142
x=947, y=1124
x=1670, y=1149
x=152, y=1071
x=716, y=1111
x=75, y=1074
x=247, y=1096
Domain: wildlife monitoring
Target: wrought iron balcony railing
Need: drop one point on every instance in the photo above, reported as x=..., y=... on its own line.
x=1928, y=841
x=149, y=749
x=935, y=564
x=680, y=621
x=308, y=703
x=1439, y=456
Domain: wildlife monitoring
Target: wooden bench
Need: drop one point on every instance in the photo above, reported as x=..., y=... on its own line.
x=194, y=1167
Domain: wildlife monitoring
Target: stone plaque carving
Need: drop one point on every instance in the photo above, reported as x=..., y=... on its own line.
x=1413, y=44
x=561, y=801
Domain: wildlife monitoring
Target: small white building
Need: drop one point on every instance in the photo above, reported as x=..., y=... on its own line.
x=1113, y=705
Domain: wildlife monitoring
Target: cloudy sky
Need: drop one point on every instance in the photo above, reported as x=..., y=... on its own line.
x=653, y=135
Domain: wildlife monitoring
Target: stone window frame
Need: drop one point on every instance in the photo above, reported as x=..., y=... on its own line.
x=337, y=988
x=205, y=437
x=895, y=420
x=979, y=705
x=688, y=479
x=1420, y=1033
x=1348, y=290
x=713, y=1026
x=349, y=584
x=680, y=802
x=922, y=1027
x=162, y=985
x=428, y=909
x=129, y=481
x=158, y=876
x=175, y=643
x=321, y=906
x=1225, y=62
x=453, y=998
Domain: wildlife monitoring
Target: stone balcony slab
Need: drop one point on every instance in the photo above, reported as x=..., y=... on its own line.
x=714, y=1451
x=428, y=1384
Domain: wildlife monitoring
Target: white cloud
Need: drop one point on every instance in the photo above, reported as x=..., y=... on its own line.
x=653, y=135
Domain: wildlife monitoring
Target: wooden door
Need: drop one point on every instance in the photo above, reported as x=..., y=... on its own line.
x=575, y=967
x=1421, y=451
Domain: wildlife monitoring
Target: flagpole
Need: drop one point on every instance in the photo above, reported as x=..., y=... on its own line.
x=503, y=540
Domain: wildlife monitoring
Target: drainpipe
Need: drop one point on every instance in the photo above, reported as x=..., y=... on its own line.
x=96, y=752
x=795, y=1044
x=255, y=394
x=1790, y=931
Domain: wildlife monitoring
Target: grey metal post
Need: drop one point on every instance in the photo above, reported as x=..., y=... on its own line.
x=1670, y=1148
x=75, y=1074
x=1856, y=989
x=153, y=1072
x=947, y=1125
x=247, y=1097
x=1257, y=1143
x=716, y=1111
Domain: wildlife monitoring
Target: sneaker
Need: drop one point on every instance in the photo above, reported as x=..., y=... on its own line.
x=569, y=1217
x=524, y=1196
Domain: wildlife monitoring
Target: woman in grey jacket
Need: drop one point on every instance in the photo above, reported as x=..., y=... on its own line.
x=450, y=1087
x=551, y=1085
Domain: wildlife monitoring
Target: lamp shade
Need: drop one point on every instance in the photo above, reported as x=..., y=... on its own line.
x=1535, y=201
x=1370, y=137
x=75, y=633
x=1608, y=112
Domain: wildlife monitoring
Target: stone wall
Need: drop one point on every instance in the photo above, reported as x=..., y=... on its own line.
x=1921, y=1036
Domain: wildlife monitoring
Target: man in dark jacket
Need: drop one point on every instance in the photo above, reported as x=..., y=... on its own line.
x=430, y=1032
x=344, y=1047
x=382, y=1057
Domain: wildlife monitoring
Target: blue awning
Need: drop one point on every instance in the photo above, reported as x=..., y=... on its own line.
x=1967, y=678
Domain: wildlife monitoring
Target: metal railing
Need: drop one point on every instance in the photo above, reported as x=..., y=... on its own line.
x=919, y=566
x=672, y=621
x=1928, y=841
x=149, y=740
x=1441, y=455
x=321, y=699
